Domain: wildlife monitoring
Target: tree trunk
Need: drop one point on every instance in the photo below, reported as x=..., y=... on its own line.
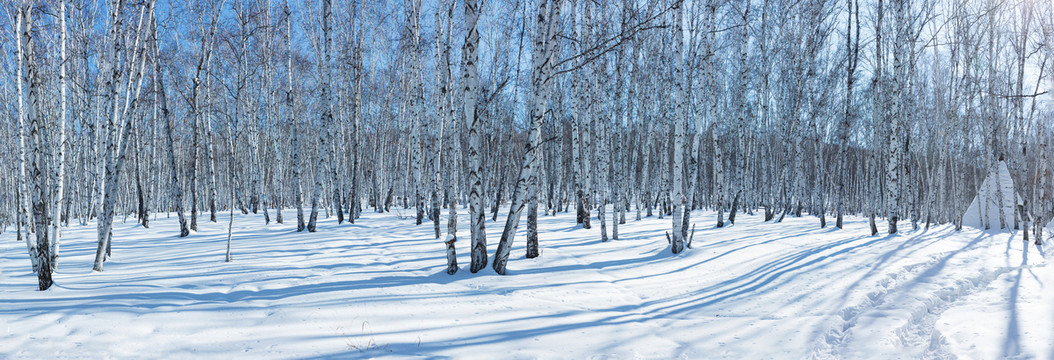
x=326, y=121
x=679, y=101
x=541, y=79
x=470, y=79
x=166, y=117
x=40, y=249
x=896, y=107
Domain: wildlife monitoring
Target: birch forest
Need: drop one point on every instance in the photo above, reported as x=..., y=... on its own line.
x=491, y=115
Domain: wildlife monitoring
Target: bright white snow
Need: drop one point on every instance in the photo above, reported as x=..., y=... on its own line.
x=378, y=289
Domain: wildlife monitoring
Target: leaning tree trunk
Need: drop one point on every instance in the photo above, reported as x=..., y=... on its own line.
x=105, y=219
x=166, y=118
x=118, y=147
x=541, y=78
x=195, y=113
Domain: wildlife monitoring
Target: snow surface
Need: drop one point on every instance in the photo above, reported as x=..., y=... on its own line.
x=377, y=289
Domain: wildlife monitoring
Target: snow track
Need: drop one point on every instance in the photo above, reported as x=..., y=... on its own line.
x=920, y=332
x=898, y=317
x=834, y=340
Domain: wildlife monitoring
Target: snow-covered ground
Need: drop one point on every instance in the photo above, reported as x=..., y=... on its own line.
x=378, y=289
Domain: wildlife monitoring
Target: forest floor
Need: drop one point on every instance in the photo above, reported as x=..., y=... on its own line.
x=378, y=289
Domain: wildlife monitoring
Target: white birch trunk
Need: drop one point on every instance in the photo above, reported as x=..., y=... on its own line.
x=447, y=116
x=356, y=114
x=679, y=120
x=121, y=124
x=720, y=192
x=60, y=176
x=175, y=190
x=298, y=193
x=878, y=113
x=541, y=78
x=414, y=102
x=38, y=157
x=470, y=79
x=852, y=47
x=895, y=143
x=110, y=96
x=210, y=149
x=742, y=113
x=326, y=120
x=23, y=184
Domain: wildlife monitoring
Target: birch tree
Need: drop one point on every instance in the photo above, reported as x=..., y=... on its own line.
x=59, y=187
x=546, y=29
x=298, y=196
x=166, y=117
x=679, y=123
x=448, y=135
x=326, y=121
x=852, y=49
x=469, y=88
x=39, y=245
x=119, y=123
x=413, y=104
x=896, y=104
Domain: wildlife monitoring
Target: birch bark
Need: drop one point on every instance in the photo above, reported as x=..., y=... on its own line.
x=541, y=78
